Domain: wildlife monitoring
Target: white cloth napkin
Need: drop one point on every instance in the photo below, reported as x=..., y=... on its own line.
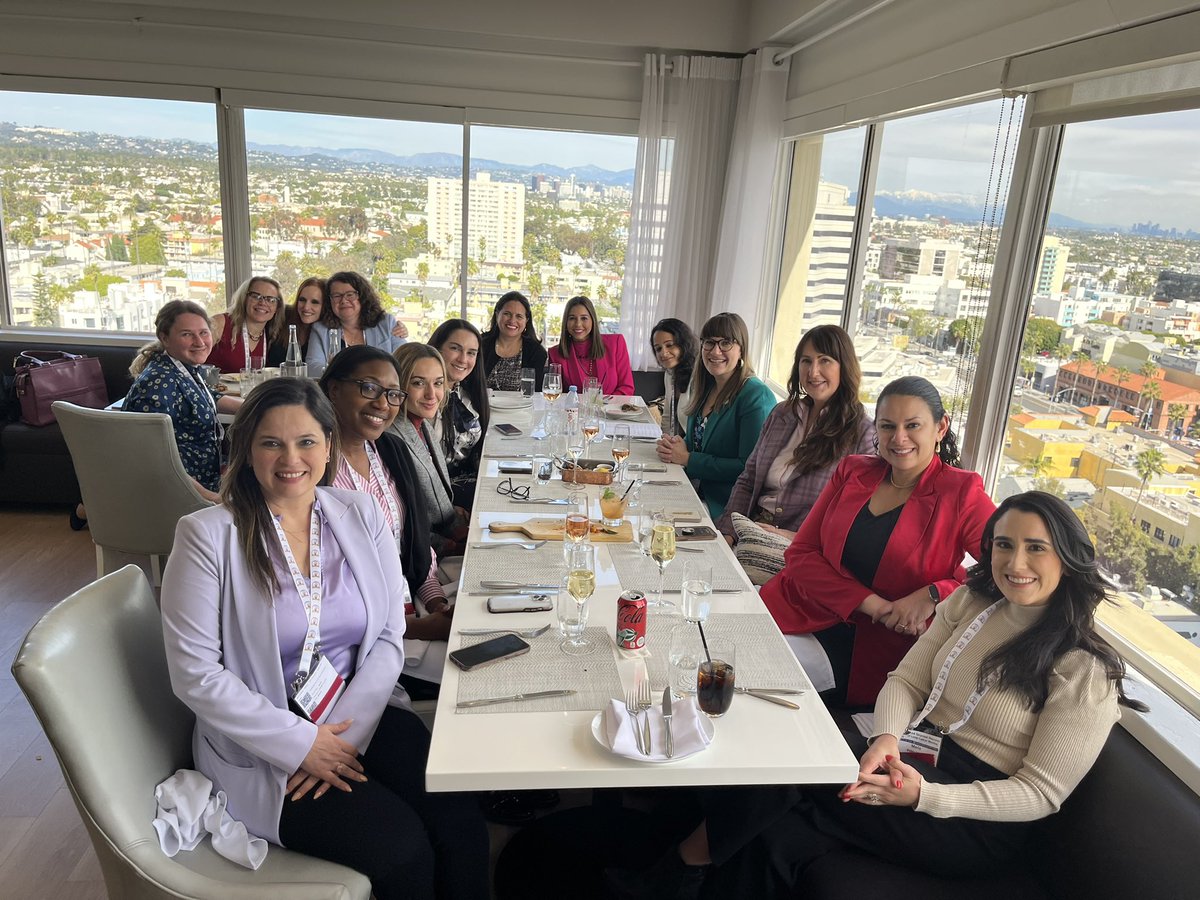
x=812, y=659
x=691, y=729
x=188, y=810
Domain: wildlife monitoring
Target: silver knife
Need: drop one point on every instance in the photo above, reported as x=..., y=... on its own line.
x=771, y=698
x=666, y=713
x=517, y=586
x=513, y=698
x=548, y=501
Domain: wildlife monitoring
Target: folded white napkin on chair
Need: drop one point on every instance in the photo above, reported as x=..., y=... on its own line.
x=188, y=810
x=691, y=729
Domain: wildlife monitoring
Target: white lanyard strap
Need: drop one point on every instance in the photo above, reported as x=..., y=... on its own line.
x=381, y=480
x=939, y=685
x=310, y=594
x=195, y=378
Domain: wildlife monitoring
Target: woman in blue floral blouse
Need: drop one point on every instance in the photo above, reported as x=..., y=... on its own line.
x=166, y=381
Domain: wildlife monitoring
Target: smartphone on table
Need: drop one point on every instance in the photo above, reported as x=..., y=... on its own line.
x=504, y=647
x=505, y=428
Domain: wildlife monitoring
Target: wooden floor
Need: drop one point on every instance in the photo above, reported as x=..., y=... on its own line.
x=44, y=849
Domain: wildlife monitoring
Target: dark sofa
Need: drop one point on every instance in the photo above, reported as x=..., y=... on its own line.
x=35, y=466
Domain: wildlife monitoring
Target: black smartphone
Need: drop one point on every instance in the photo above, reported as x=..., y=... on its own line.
x=514, y=467
x=694, y=533
x=504, y=647
x=505, y=428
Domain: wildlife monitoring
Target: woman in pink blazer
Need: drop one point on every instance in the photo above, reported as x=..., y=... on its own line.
x=235, y=600
x=584, y=352
x=883, y=544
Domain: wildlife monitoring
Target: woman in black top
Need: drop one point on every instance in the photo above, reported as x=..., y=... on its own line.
x=464, y=419
x=510, y=344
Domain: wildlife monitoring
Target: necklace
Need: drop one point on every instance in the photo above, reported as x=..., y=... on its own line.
x=254, y=337
x=902, y=487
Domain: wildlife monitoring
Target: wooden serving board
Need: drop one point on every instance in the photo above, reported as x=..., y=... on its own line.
x=551, y=529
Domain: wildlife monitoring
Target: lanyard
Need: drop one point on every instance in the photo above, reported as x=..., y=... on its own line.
x=310, y=594
x=378, y=477
x=940, y=684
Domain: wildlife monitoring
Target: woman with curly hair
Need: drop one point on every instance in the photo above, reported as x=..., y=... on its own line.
x=352, y=305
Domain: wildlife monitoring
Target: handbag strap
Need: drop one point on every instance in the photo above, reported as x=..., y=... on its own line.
x=33, y=357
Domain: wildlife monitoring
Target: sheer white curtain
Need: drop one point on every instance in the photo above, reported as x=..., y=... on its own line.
x=688, y=109
x=747, y=239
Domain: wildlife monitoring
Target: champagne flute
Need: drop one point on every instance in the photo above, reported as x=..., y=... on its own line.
x=589, y=424
x=581, y=584
x=552, y=383
x=662, y=551
x=576, y=441
x=620, y=450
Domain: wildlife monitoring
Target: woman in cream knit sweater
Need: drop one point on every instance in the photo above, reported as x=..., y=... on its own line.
x=1013, y=683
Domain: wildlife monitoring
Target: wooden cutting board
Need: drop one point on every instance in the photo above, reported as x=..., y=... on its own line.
x=551, y=529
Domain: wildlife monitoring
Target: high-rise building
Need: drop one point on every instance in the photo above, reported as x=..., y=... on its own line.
x=1052, y=266
x=919, y=256
x=495, y=221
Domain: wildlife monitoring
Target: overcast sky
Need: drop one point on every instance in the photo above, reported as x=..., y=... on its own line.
x=197, y=121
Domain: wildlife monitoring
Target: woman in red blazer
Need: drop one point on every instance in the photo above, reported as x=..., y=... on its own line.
x=583, y=351
x=883, y=544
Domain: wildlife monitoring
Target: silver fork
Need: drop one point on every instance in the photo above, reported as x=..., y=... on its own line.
x=644, y=704
x=497, y=544
x=631, y=707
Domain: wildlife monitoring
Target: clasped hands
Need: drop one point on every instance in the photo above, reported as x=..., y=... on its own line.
x=908, y=615
x=672, y=449
x=330, y=762
x=883, y=778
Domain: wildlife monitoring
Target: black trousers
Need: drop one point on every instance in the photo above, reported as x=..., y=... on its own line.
x=409, y=843
x=762, y=839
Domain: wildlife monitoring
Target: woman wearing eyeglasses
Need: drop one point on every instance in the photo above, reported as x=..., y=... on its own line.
x=726, y=413
x=352, y=305
x=255, y=315
x=585, y=353
x=363, y=384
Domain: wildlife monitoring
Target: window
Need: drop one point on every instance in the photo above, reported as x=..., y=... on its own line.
x=548, y=216
x=330, y=193
x=815, y=265
x=936, y=214
x=1112, y=343
x=110, y=205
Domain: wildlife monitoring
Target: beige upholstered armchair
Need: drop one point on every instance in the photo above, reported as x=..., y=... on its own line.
x=95, y=673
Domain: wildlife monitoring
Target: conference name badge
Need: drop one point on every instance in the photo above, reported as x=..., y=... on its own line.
x=317, y=693
x=921, y=745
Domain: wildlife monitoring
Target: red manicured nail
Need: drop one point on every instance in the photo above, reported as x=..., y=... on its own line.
x=888, y=758
x=898, y=783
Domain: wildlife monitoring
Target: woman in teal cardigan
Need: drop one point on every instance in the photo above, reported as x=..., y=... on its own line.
x=728, y=408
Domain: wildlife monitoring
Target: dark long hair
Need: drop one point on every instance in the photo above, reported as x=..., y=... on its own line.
x=689, y=349
x=371, y=310
x=240, y=490
x=836, y=430
x=727, y=326
x=530, y=330
x=292, y=317
x=916, y=386
x=596, y=351
x=475, y=384
x=1024, y=662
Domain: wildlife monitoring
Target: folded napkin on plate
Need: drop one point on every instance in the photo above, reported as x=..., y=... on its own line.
x=691, y=730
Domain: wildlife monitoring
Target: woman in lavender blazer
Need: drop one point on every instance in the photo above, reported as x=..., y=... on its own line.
x=233, y=642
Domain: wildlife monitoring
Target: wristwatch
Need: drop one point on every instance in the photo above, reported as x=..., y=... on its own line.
x=934, y=595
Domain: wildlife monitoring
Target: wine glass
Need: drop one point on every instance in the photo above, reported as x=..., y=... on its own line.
x=578, y=524
x=589, y=423
x=580, y=583
x=576, y=441
x=662, y=551
x=620, y=450
x=552, y=383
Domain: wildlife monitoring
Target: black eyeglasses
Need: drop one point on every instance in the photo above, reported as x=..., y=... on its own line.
x=517, y=492
x=373, y=391
x=709, y=344
x=255, y=297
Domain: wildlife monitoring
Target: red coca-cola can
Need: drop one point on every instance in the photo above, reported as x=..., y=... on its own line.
x=631, y=620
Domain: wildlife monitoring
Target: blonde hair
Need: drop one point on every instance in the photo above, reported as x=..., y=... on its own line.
x=237, y=310
x=163, y=322
x=408, y=355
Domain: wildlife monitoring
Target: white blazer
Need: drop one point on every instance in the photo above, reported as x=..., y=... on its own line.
x=224, y=660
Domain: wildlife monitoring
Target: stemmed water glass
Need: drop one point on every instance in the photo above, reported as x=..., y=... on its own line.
x=580, y=582
x=576, y=441
x=589, y=423
x=662, y=551
x=620, y=450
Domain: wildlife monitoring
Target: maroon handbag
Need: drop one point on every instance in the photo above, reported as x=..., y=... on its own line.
x=46, y=376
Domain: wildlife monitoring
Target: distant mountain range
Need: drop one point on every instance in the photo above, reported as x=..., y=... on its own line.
x=449, y=164
x=956, y=208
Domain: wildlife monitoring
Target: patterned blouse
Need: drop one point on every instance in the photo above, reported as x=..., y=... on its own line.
x=163, y=388
x=506, y=374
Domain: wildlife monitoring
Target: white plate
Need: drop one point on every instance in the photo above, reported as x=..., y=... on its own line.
x=598, y=733
x=614, y=411
x=510, y=400
x=232, y=377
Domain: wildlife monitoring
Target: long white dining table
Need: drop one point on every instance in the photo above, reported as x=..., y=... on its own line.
x=513, y=746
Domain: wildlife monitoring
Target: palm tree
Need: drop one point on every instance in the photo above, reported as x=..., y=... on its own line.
x=1101, y=370
x=1080, y=357
x=1147, y=464
x=1039, y=466
x=1151, y=392
x=1123, y=375
x=1176, y=412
